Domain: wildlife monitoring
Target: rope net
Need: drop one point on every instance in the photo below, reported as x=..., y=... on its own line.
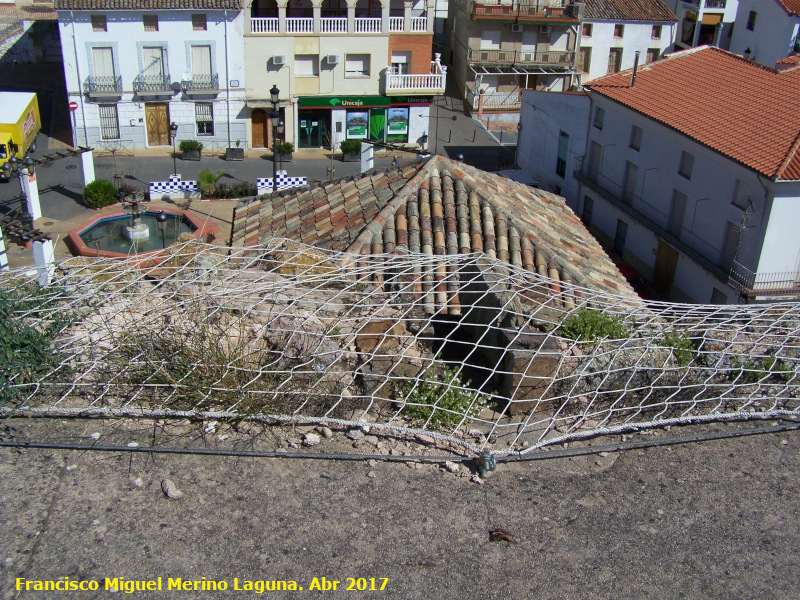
x=462, y=348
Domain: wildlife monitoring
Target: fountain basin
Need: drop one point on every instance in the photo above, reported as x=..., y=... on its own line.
x=105, y=235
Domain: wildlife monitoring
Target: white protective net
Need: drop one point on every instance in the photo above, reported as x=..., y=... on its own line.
x=466, y=349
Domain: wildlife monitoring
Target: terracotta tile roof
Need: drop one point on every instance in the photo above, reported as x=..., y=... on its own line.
x=436, y=207
x=740, y=108
x=790, y=62
x=790, y=6
x=147, y=4
x=628, y=10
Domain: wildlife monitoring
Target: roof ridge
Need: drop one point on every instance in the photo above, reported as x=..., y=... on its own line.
x=790, y=156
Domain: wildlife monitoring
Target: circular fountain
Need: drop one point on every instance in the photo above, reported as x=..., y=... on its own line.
x=137, y=232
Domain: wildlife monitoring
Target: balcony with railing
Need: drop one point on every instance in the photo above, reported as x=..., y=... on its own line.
x=340, y=25
x=103, y=86
x=407, y=84
x=525, y=11
x=201, y=84
x=713, y=4
x=554, y=59
x=494, y=101
x=652, y=217
x=753, y=285
x=152, y=85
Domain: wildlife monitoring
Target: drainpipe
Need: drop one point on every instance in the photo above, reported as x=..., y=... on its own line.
x=227, y=80
x=78, y=73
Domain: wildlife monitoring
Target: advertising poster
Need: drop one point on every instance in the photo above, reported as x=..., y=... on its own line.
x=398, y=122
x=357, y=124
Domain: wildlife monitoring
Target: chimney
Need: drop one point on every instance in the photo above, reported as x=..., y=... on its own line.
x=717, y=33
x=635, y=68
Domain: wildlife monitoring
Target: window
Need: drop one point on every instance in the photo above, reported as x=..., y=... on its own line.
x=150, y=22
x=587, y=30
x=717, y=297
x=620, y=236
x=109, y=122
x=400, y=63
x=306, y=65
x=199, y=22
x=614, y=60
x=619, y=30
x=356, y=65
x=588, y=207
x=153, y=63
x=563, y=146
x=599, y=117
x=676, y=213
x=103, y=65
x=490, y=39
x=201, y=62
x=655, y=34
x=751, y=20
x=204, y=115
x=629, y=189
x=687, y=162
x=636, y=138
x=652, y=54
x=585, y=59
x=99, y=23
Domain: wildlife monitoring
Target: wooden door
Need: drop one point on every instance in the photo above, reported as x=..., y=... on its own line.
x=664, y=271
x=157, y=117
x=258, y=118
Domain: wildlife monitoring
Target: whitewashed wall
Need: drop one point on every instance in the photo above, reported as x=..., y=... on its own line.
x=772, y=37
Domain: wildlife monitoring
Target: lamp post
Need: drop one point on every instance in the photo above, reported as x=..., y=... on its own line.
x=21, y=169
x=275, y=118
x=173, y=133
x=161, y=221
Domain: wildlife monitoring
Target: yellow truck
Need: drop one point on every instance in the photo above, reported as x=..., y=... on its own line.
x=19, y=124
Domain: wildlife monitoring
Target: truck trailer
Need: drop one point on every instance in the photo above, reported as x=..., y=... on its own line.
x=19, y=124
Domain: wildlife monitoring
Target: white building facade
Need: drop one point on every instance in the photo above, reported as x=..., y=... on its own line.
x=704, y=22
x=767, y=30
x=701, y=222
x=133, y=72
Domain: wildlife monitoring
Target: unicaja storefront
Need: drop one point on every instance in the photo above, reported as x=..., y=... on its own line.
x=323, y=121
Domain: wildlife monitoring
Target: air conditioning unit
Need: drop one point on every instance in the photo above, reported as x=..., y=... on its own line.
x=545, y=28
x=333, y=59
x=516, y=28
x=279, y=59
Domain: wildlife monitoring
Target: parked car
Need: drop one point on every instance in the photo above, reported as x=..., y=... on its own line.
x=636, y=281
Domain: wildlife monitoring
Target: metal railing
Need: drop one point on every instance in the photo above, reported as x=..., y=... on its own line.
x=152, y=83
x=523, y=10
x=299, y=25
x=715, y=3
x=264, y=25
x=103, y=84
x=368, y=25
x=495, y=100
x=432, y=82
x=652, y=216
x=753, y=284
x=553, y=58
x=201, y=83
x=333, y=25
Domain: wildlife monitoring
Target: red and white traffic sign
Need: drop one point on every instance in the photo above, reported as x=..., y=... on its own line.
x=73, y=106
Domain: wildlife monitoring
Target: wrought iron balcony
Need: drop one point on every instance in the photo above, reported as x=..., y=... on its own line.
x=559, y=59
x=152, y=84
x=521, y=12
x=103, y=86
x=753, y=284
x=201, y=84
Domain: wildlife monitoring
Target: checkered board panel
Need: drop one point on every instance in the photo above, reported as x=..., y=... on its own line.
x=264, y=184
x=174, y=185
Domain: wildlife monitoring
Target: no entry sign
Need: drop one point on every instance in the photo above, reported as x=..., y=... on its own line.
x=73, y=106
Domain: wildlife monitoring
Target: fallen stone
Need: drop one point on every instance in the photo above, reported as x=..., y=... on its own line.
x=451, y=466
x=138, y=482
x=426, y=440
x=371, y=439
x=326, y=432
x=372, y=474
x=476, y=479
x=372, y=462
x=169, y=489
x=355, y=434
x=311, y=439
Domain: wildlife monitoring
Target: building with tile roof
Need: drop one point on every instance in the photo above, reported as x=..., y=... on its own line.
x=435, y=207
x=497, y=49
x=769, y=31
x=135, y=68
x=692, y=172
x=613, y=31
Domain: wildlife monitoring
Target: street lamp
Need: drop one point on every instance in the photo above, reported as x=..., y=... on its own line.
x=275, y=118
x=161, y=221
x=173, y=133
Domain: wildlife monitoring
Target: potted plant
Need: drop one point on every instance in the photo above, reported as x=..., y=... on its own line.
x=351, y=150
x=283, y=151
x=234, y=153
x=190, y=149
